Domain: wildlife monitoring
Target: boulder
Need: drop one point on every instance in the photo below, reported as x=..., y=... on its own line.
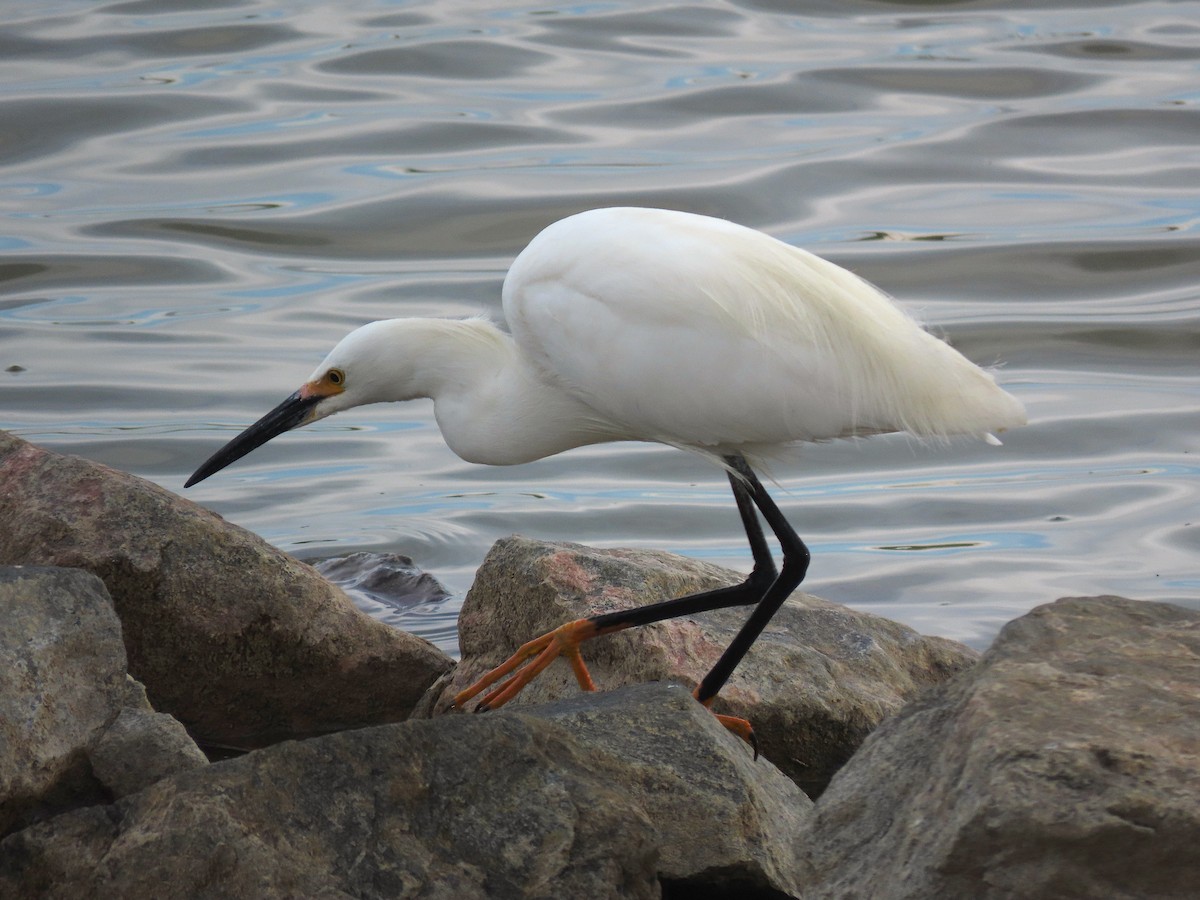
x=75, y=729
x=724, y=823
x=62, y=682
x=1066, y=764
x=140, y=747
x=382, y=579
x=601, y=797
x=240, y=642
x=814, y=685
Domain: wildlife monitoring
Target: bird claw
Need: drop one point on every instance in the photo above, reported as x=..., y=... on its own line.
x=741, y=728
x=532, y=658
x=516, y=672
x=735, y=724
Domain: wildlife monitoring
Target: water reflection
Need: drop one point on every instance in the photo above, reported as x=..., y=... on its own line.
x=200, y=200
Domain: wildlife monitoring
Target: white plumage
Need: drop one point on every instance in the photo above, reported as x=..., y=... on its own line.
x=695, y=331
x=646, y=324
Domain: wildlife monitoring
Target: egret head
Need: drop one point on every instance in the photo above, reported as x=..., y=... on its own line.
x=346, y=378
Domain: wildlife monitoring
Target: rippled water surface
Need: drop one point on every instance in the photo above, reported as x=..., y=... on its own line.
x=198, y=199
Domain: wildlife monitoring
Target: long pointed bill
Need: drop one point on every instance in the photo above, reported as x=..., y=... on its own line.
x=291, y=413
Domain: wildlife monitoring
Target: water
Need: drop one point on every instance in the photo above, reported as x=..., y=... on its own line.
x=198, y=199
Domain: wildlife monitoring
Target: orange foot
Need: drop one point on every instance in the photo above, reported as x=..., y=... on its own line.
x=562, y=641
x=741, y=727
x=519, y=671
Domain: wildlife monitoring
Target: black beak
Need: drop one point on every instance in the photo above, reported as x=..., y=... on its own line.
x=291, y=413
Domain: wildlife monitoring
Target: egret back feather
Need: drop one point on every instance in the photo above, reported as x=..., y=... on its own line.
x=698, y=332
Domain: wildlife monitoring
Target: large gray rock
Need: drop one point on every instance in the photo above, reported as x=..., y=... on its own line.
x=1065, y=765
x=239, y=641
x=724, y=823
x=75, y=729
x=140, y=747
x=62, y=682
x=814, y=685
x=598, y=798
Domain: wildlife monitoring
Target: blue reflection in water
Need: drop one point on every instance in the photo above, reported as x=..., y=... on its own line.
x=1075, y=257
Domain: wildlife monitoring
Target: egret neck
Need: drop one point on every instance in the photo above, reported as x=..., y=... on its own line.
x=491, y=403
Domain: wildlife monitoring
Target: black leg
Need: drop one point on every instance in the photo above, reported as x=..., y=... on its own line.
x=795, y=564
x=764, y=587
x=749, y=591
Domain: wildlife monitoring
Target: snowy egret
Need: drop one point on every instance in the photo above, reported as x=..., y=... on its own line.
x=653, y=325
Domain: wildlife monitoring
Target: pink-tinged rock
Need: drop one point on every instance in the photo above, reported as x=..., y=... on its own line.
x=243, y=644
x=814, y=685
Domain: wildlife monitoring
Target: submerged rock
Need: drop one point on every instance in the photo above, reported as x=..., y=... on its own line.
x=1066, y=764
x=817, y=681
x=572, y=801
x=387, y=579
x=239, y=641
x=388, y=587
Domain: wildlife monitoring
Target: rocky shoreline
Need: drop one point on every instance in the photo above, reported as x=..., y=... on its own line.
x=139, y=627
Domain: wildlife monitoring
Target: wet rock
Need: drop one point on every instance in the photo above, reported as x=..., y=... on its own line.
x=386, y=586
x=62, y=681
x=1066, y=764
x=618, y=795
x=387, y=579
x=140, y=747
x=237, y=640
x=814, y=685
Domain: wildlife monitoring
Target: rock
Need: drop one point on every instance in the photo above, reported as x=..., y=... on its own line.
x=725, y=823
x=62, y=681
x=140, y=747
x=814, y=685
x=498, y=806
x=600, y=796
x=382, y=578
x=1066, y=765
x=240, y=642
x=135, y=691
x=386, y=586
x=74, y=727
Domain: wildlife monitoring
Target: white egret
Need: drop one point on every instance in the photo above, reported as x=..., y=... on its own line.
x=653, y=325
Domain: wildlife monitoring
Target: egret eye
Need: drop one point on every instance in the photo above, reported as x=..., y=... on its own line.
x=336, y=377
